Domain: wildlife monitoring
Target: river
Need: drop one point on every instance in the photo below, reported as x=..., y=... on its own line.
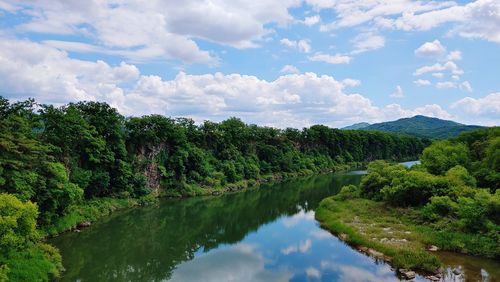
x=262, y=234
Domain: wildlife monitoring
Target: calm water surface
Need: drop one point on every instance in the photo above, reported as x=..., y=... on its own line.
x=265, y=234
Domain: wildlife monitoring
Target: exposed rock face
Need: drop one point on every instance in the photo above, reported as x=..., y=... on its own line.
x=151, y=171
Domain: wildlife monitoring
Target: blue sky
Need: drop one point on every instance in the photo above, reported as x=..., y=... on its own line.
x=279, y=63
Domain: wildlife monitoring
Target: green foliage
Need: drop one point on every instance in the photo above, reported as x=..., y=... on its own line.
x=348, y=192
x=22, y=257
x=443, y=155
x=66, y=160
x=445, y=192
x=421, y=126
x=17, y=223
x=380, y=174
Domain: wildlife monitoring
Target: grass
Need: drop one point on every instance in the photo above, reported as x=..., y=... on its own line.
x=364, y=224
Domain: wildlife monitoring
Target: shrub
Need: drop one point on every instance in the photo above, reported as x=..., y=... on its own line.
x=443, y=155
x=348, y=192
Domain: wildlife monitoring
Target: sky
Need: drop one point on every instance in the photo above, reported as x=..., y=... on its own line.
x=287, y=63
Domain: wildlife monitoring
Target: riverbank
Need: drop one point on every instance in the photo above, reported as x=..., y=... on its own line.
x=394, y=235
x=82, y=216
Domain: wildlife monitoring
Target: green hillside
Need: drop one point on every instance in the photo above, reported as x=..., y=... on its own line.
x=421, y=126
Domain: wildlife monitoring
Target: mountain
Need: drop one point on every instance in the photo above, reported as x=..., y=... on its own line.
x=360, y=125
x=422, y=126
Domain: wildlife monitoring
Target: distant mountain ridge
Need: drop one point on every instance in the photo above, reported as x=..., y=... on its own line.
x=360, y=125
x=421, y=126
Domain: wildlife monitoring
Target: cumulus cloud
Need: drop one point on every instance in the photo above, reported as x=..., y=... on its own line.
x=289, y=69
x=29, y=69
x=302, y=45
x=478, y=19
x=350, y=273
x=154, y=29
x=312, y=20
x=398, y=93
x=331, y=59
x=302, y=247
x=465, y=86
x=366, y=42
x=488, y=106
x=353, y=13
x=238, y=263
x=482, y=19
x=422, y=82
x=454, y=56
x=446, y=85
x=438, y=67
x=313, y=272
x=431, y=49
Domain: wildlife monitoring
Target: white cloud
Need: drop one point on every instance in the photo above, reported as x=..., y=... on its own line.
x=477, y=19
x=289, y=69
x=366, y=42
x=302, y=45
x=438, y=74
x=446, y=85
x=350, y=273
x=331, y=59
x=398, y=93
x=465, y=86
x=313, y=272
x=238, y=263
x=321, y=234
x=431, y=49
x=351, y=82
x=438, y=67
x=302, y=247
x=432, y=110
x=29, y=69
x=422, y=82
x=454, y=56
x=353, y=13
x=312, y=20
x=288, y=43
x=305, y=246
x=156, y=29
x=482, y=20
x=488, y=107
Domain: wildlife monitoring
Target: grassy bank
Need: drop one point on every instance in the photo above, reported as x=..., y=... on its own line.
x=397, y=233
x=367, y=224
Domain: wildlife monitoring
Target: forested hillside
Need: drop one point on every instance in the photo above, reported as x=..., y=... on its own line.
x=60, y=158
x=420, y=126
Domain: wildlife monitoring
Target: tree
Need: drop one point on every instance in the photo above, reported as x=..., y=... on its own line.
x=443, y=155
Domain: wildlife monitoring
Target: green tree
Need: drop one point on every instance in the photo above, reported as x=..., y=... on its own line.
x=443, y=155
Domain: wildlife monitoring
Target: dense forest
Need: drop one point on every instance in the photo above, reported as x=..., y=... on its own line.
x=56, y=160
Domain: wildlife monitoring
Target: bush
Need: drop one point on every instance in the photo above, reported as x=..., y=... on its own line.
x=473, y=211
x=415, y=188
x=439, y=206
x=17, y=223
x=443, y=155
x=348, y=192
